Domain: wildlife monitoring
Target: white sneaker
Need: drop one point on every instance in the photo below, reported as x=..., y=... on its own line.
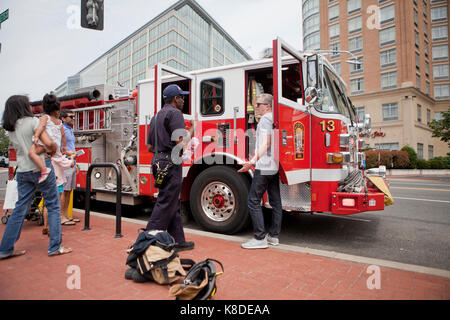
x=272, y=240
x=255, y=244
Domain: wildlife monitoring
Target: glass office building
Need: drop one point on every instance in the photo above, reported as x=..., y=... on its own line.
x=184, y=36
x=311, y=24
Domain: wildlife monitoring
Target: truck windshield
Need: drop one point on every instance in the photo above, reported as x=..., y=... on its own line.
x=334, y=99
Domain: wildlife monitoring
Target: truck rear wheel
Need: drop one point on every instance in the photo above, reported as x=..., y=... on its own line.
x=219, y=200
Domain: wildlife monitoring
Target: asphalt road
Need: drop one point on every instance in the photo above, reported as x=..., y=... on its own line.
x=415, y=230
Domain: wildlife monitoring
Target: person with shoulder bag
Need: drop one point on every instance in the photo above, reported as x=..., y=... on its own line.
x=166, y=141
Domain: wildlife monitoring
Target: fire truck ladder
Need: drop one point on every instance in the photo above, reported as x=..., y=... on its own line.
x=93, y=119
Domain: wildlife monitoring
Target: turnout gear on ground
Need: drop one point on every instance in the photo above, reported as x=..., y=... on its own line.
x=154, y=257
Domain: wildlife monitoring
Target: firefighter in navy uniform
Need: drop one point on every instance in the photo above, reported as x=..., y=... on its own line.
x=167, y=139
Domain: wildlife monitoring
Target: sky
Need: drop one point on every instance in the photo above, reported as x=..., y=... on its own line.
x=42, y=43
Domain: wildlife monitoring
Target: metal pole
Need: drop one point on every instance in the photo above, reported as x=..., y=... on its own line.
x=118, y=198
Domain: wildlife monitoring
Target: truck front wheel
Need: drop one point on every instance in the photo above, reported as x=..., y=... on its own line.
x=218, y=200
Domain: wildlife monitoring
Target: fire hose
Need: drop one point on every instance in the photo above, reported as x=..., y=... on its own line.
x=355, y=182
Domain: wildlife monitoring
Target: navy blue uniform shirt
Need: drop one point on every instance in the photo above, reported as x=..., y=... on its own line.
x=171, y=127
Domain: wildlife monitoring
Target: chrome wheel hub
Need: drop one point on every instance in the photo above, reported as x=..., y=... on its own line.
x=218, y=201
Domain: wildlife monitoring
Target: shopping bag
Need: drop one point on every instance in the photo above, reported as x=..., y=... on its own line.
x=11, y=195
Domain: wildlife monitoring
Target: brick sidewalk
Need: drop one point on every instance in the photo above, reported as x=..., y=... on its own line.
x=268, y=274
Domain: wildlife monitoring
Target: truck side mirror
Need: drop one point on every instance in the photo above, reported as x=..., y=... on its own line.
x=313, y=71
x=313, y=96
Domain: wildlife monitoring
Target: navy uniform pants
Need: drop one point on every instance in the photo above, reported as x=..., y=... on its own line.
x=166, y=213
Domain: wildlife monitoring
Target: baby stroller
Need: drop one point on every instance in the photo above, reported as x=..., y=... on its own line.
x=36, y=210
x=35, y=213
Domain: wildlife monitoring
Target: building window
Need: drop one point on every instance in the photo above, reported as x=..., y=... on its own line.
x=440, y=71
x=387, y=36
x=335, y=47
x=440, y=52
x=417, y=81
x=333, y=12
x=420, y=151
x=442, y=91
x=357, y=68
x=125, y=63
x=311, y=24
x=355, y=44
x=416, y=17
x=310, y=7
x=390, y=111
x=212, y=97
x=427, y=68
x=355, y=24
x=438, y=116
x=428, y=87
x=439, y=14
x=357, y=85
x=419, y=113
x=387, y=146
x=439, y=33
x=425, y=46
x=337, y=67
x=112, y=59
x=428, y=116
x=389, y=80
x=425, y=8
x=138, y=68
x=417, y=61
x=430, y=152
x=416, y=38
x=360, y=113
x=387, y=14
x=125, y=51
x=388, y=58
x=425, y=29
x=353, y=6
x=334, y=31
x=312, y=41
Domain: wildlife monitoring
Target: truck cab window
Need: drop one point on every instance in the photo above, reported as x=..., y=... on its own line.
x=185, y=86
x=212, y=97
x=292, y=82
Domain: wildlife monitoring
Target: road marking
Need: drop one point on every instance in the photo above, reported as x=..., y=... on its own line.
x=422, y=189
x=422, y=184
x=341, y=217
x=401, y=198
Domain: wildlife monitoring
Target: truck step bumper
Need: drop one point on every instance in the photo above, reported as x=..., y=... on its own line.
x=343, y=203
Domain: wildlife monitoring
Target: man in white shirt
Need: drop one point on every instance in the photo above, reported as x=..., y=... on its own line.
x=265, y=178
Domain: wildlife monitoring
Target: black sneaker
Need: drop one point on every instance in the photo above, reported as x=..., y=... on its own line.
x=188, y=245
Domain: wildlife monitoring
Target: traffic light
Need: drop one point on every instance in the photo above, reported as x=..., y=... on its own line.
x=92, y=14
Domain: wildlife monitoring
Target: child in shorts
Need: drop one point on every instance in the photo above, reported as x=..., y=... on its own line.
x=51, y=123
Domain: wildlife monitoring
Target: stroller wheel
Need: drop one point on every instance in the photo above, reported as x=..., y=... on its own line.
x=5, y=219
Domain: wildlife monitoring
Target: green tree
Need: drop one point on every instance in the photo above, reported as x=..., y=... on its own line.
x=441, y=127
x=4, y=142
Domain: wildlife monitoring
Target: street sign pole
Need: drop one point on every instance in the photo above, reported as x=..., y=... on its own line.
x=3, y=17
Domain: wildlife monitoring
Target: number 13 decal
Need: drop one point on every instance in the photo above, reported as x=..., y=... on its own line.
x=327, y=125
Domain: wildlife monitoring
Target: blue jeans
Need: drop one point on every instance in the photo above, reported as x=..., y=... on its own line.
x=27, y=183
x=261, y=184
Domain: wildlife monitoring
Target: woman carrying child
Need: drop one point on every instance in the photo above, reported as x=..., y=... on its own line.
x=19, y=121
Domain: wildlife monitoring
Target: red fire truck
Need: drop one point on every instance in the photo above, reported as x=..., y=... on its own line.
x=316, y=138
